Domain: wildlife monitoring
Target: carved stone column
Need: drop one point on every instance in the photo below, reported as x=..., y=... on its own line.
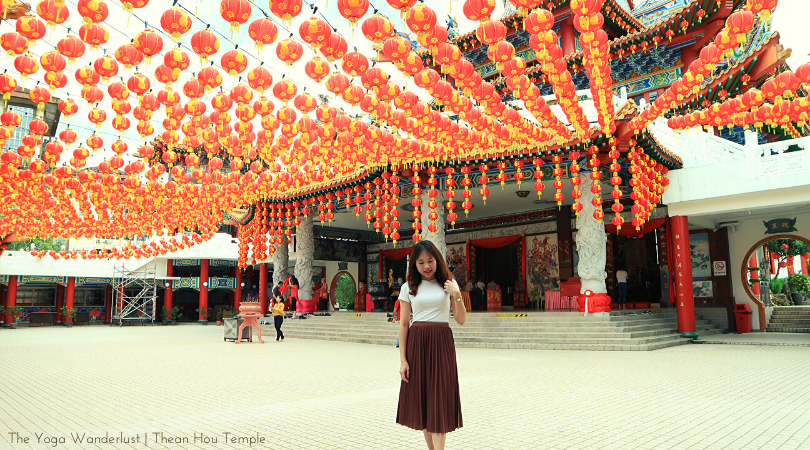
x=765, y=279
x=437, y=238
x=281, y=262
x=304, y=255
x=591, y=247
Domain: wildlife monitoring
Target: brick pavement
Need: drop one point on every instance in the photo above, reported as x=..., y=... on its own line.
x=308, y=394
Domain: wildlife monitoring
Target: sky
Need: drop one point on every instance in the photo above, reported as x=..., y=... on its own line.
x=789, y=19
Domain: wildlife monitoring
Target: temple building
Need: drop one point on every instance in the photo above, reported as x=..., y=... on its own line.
x=641, y=164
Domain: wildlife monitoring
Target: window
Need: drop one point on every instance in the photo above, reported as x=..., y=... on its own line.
x=88, y=297
x=27, y=115
x=36, y=296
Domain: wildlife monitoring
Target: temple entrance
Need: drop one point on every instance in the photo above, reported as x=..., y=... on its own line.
x=188, y=300
x=501, y=265
x=639, y=257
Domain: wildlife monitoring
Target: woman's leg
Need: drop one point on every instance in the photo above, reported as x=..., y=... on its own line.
x=277, y=324
x=280, y=323
x=428, y=439
x=438, y=441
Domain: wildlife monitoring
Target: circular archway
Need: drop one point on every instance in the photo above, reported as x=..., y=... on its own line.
x=342, y=278
x=744, y=271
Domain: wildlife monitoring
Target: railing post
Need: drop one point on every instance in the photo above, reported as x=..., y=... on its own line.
x=751, y=156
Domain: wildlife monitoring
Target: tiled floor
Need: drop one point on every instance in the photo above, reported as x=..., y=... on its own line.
x=307, y=394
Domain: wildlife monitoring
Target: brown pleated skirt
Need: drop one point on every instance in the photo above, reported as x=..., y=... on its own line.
x=430, y=400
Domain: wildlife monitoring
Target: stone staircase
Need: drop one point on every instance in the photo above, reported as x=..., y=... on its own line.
x=538, y=331
x=790, y=319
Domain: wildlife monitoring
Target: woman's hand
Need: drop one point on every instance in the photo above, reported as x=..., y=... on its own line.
x=451, y=287
x=405, y=371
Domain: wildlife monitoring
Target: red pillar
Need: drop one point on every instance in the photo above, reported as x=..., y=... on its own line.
x=568, y=37
x=11, y=299
x=249, y=284
x=60, y=302
x=3, y=302
x=69, y=297
x=167, y=293
x=203, y=290
x=754, y=273
x=237, y=295
x=689, y=54
x=108, y=299
x=805, y=261
x=263, y=286
x=684, y=299
x=791, y=263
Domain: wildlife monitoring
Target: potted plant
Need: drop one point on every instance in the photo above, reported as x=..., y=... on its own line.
x=799, y=285
x=170, y=316
x=204, y=313
x=3, y=313
x=219, y=317
x=16, y=314
x=68, y=312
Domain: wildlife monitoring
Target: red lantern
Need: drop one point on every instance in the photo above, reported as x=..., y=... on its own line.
x=421, y=19
x=377, y=29
x=263, y=31
x=31, y=28
x=491, y=32
x=93, y=11
x=234, y=62
x=56, y=80
x=204, y=43
x=740, y=23
x=538, y=21
x=236, y=12
x=176, y=22
x=129, y=5
x=286, y=9
x=314, y=32
x=70, y=47
x=149, y=43
x=14, y=43
x=317, y=68
x=289, y=51
x=334, y=48
x=26, y=65
x=53, y=11
x=94, y=34
x=479, y=10
x=127, y=55
x=106, y=66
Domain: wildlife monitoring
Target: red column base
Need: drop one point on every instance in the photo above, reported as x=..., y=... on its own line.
x=596, y=302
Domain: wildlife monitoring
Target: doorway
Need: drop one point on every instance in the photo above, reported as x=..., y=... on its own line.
x=639, y=257
x=343, y=290
x=503, y=265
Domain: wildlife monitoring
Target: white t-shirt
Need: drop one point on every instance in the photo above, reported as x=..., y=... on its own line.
x=430, y=304
x=621, y=276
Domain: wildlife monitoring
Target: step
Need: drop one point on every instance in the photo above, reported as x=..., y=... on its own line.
x=782, y=329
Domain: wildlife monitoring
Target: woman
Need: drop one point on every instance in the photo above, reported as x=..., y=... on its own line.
x=278, y=317
x=292, y=284
x=428, y=397
x=324, y=295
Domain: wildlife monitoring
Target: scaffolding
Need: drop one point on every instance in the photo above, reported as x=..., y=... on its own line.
x=135, y=296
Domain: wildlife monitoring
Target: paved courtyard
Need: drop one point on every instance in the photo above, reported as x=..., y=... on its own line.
x=95, y=382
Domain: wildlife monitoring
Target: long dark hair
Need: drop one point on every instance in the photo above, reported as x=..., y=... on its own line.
x=414, y=277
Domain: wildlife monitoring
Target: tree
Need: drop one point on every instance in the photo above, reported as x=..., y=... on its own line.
x=39, y=243
x=785, y=248
x=344, y=292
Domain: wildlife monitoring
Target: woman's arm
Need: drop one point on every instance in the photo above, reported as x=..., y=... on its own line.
x=459, y=311
x=404, y=324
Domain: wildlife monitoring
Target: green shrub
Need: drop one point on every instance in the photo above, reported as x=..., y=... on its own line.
x=799, y=283
x=777, y=285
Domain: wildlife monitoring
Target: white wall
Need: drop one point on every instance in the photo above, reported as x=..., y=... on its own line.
x=748, y=233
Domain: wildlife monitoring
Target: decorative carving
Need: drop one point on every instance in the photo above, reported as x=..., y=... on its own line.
x=16, y=10
x=281, y=261
x=304, y=255
x=591, y=244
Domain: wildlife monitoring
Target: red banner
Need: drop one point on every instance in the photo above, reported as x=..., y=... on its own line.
x=630, y=231
x=495, y=242
x=397, y=253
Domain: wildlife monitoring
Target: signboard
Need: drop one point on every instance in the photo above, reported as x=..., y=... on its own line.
x=222, y=263
x=777, y=226
x=719, y=268
x=33, y=279
x=221, y=283
x=188, y=282
x=92, y=281
x=186, y=262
